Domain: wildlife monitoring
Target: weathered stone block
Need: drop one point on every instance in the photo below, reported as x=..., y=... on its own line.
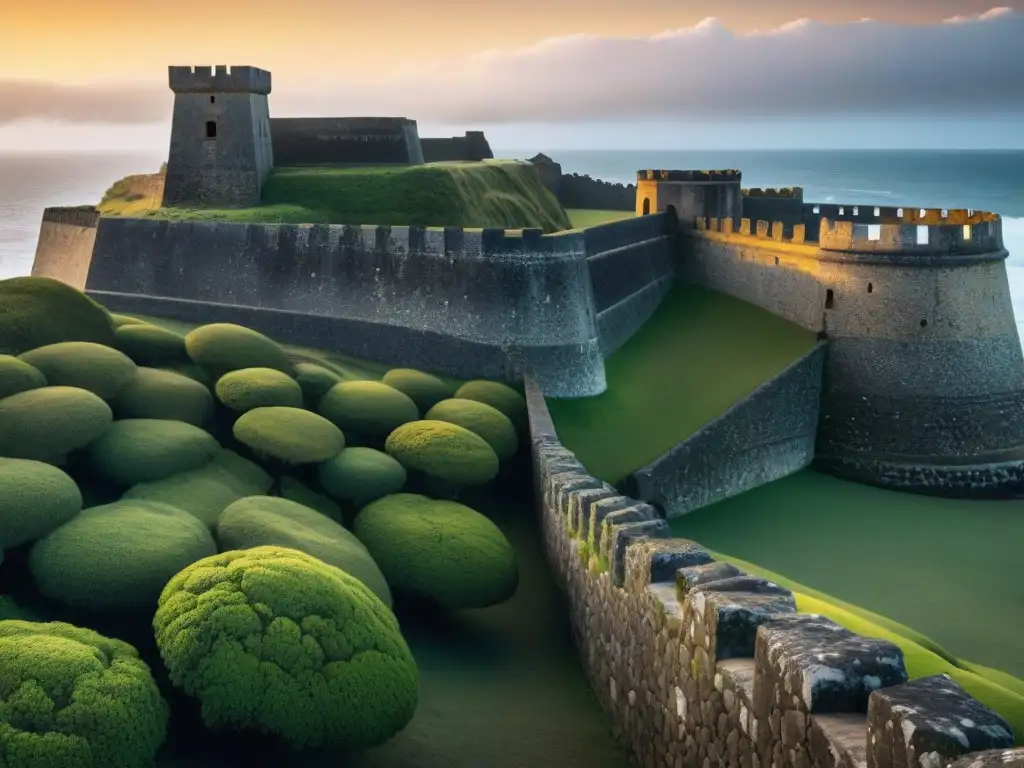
x=654, y=562
x=810, y=663
x=693, y=576
x=599, y=510
x=622, y=536
x=928, y=719
x=579, y=502
x=732, y=610
x=839, y=740
x=560, y=484
x=992, y=758
x=637, y=513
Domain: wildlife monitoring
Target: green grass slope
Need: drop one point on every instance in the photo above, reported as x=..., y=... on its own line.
x=998, y=690
x=699, y=354
x=580, y=218
x=950, y=568
x=493, y=193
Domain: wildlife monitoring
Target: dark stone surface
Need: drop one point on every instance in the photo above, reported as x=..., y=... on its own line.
x=837, y=740
x=669, y=555
x=821, y=666
x=766, y=436
x=345, y=141
x=694, y=576
x=581, y=502
x=625, y=534
x=599, y=511
x=581, y=191
x=472, y=147
x=992, y=758
x=735, y=607
x=930, y=715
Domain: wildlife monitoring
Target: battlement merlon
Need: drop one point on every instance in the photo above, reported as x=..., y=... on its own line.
x=219, y=79
x=693, y=176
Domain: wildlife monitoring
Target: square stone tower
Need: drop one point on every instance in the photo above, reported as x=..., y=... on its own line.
x=220, y=151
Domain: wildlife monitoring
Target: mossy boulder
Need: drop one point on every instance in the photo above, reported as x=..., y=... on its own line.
x=259, y=521
x=367, y=407
x=191, y=371
x=278, y=641
x=249, y=388
x=18, y=376
x=76, y=699
x=426, y=390
x=488, y=422
x=361, y=475
x=440, y=550
x=288, y=435
x=150, y=345
x=48, y=423
x=158, y=394
x=297, y=491
x=101, y=370
x=223, y=347
x=443, y=451
x=120, y=320
x=496, y=395
x=35, y=498
x=315, y=380
x=118, y=556
x=141, y=450
x=37, y=311
x=206, y=492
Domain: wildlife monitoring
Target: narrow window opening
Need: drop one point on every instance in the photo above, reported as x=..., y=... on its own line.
x=776, y=261
x=878, y=211
x=816, y=209
x=829, y=299
x=211, y=129
x=856, y=210
x=967, y=232
x=922, y=235
x=841, y=209
x=923, y=213
x=923, y=322
x=871, y=288
x=647, y=206
x=874, y=231
x=213, y=99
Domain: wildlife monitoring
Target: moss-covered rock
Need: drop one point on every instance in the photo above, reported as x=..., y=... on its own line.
x=488, y=422
x=259, y=521
x=496, y=395
x=48, y=423
x=367, y=407
x=158, y=394
x=35, y=498
x=443, y=451
x=37, y=311
x=361, y=475
x=18, y=376
x=73, y=697
x=122, y=320
x=425, y=389
x=141, y=450
x=101, y=370
x=440, y=550
x=249, y=388
x=223, y=347
x=191, y=371
x=118, y=556
x=294, y=490
x=315, y=380
x=150, y=345
x=289, y=435
x=278, y=641
x=206, y=492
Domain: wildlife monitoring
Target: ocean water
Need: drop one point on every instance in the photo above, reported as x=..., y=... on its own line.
x=985, y=180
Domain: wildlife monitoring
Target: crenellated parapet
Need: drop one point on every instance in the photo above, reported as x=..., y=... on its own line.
x=698, y=662
x=728, y=175
x=788, y=193
x=219, y=79
x=776, y=231
x=78, y=216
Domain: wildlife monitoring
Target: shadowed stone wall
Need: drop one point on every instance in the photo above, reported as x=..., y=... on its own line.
x=345, y=141
x=473, y=147
x=464, y=302
x=66, y=240
x=764, y=437
x=700, y=664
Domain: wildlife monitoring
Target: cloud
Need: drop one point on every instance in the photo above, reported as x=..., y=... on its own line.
x=804, y=68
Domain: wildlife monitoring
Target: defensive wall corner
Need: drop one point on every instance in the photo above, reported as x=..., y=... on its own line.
x=698, y=662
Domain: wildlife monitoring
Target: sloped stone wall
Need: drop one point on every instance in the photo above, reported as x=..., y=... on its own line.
x=700, y=664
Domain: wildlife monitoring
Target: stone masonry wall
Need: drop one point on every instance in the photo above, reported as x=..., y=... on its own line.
x=764, y=437
x=66, y=240
x=700, y=664
x=469, y=302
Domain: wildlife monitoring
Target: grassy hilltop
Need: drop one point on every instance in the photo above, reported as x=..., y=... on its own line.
x=497, y=193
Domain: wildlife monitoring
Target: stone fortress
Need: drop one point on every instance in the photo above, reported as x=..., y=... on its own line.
x=917, y=383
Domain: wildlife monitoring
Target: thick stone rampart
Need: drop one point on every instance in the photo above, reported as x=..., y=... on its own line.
x=472, y=147
x=700, y=664
x=631, y=271
x=66, y=240
x=521, y=299
x=345, y=141
x=924, y=371
x=764, y=437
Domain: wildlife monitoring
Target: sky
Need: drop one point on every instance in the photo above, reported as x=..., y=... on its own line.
x=538, y=74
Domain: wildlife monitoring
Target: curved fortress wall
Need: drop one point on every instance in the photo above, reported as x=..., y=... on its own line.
x=467, y=303
x=924, y=378
x=699, y=663
x=65, y=245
